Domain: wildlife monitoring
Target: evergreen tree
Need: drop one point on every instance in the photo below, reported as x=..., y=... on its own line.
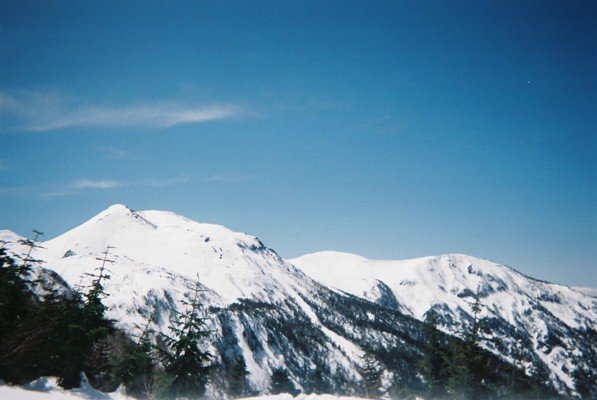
x=281, y=383
x=434, y=361
x=50, y=341
x=517, y=356
x=14, y=292
x=466, y=366
x=318, y=382
x=399, y=389
x=585, y=380
x=371, y=373
x=17, y=301
x=98, y=328
x=136, y=367
x=69, y=320
x=94, y=307
x=185, y=363
x=238, y=385
x=459, y=380
x=16, y=296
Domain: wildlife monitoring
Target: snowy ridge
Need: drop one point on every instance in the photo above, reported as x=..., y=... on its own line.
x=226, y=260
x=516, y=305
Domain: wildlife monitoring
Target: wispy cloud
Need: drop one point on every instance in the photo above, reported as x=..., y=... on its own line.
x=226, y=178
x=39, y=111
x=91, y=184
x=105, y=184
x=162, y=182
x=81, y=186
x=114, y=153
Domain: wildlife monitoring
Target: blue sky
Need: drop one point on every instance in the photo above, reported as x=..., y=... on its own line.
x=388, y=129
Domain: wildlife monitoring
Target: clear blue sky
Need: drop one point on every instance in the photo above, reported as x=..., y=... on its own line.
x=388, y=129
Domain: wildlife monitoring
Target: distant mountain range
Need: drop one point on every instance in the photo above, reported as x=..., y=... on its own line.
x=318, y=313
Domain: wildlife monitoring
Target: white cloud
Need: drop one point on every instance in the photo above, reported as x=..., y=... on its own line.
x=161, y=182
x=120, y=154
x=81, y=186
x=226, y=178
x=38, y=111
x=91, y=184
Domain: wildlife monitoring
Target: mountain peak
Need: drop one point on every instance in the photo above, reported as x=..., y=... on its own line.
x=330, y=256
x=118, y=207
x=114, y=209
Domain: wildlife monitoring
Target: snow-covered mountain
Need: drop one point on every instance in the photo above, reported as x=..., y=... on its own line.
x=317, y=314
x=551, y=323
x=264, y=310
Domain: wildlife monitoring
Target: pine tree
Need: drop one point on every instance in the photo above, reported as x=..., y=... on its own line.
x=434, y=361
x=517, y=356
x=281, y=383
x=135, y=366
x=465, y=363
x=45, y=343
x=76, y=345
x=16, y=295
x=459, y=379
x=318, y=382
x=94, y=306
x=585, y=380
x=401, y=389
x=55, y=334
x=98, y=328
x=371, y=373
x=238, y=386
x=185, y=363
x=17, y=300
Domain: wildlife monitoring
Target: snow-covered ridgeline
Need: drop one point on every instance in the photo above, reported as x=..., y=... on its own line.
x=550, y=315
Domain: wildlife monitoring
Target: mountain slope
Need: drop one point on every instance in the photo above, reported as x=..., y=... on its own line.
x=548, y=323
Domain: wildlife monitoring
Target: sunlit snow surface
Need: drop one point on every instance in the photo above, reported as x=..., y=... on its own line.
x=420, y=283
x=47, y=389
x=155, y=252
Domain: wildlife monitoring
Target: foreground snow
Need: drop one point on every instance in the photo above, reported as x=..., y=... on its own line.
x=47, y=389
x=287, y=396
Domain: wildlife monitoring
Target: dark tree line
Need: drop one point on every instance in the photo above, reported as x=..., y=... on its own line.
x=49, y=334
x=463, y=370
x=458, y=369
x=45, y=331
